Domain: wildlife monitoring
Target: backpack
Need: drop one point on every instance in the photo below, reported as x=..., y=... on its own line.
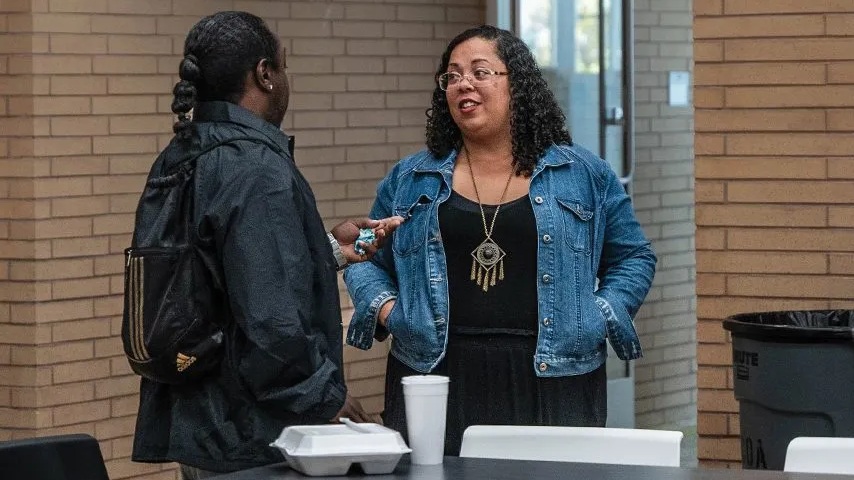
x=171, y=327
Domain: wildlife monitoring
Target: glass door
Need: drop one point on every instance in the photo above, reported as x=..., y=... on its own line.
x=584, y=50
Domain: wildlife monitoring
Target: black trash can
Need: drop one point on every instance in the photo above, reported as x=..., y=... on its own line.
x=794, y=376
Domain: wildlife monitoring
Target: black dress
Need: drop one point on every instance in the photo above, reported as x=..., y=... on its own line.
x=493, y=336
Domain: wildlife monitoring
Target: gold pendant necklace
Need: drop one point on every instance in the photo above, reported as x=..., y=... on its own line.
x=487, y=265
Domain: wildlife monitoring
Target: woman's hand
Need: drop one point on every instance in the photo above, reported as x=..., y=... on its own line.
x=385, y=310
x=347, y=234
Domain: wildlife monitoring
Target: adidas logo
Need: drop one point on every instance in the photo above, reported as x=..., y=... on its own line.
x=182, y=362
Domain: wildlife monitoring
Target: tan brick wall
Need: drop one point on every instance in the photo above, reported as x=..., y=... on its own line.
x=84, y=108
x=665, y=378
x=774, y=93
x=20, y=336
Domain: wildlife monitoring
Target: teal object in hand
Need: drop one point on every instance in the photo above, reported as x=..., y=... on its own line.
x=366, y=235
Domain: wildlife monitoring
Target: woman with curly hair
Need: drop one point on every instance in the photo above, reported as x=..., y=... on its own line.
x=520, y=254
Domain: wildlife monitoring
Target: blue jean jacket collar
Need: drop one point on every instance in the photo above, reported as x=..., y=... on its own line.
x=554, y=157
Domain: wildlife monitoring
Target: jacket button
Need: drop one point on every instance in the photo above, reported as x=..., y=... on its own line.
x=547, y=238
x=538, y=200
x=547, y=279
x=547, y=321
x=543, y=367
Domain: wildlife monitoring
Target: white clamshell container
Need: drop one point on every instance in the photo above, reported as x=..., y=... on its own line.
x=322, y=450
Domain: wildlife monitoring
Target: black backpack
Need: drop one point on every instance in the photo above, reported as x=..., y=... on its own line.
x=172, y=326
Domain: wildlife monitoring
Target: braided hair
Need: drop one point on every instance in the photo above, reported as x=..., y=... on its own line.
x=218, y=52
x=536, y=120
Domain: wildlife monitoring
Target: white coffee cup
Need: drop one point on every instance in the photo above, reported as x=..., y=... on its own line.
x=426, y=399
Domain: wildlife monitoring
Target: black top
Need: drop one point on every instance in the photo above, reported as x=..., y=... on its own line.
x=511, y=303
x=257, y=218
x=492, y=336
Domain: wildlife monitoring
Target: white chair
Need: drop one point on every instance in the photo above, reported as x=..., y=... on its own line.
x=820, y=455
x=574, y=444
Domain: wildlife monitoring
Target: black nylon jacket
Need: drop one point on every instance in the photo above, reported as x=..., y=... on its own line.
x=260, y=231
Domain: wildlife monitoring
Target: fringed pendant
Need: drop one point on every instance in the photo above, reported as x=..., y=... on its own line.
x=486, y=257
x=488, y=254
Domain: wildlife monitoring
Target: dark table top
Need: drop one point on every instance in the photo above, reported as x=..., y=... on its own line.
x=456, y=468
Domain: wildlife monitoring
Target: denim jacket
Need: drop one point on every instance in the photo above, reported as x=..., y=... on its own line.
x=587, y=231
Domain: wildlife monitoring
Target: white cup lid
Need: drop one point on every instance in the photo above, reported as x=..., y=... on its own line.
x=424, y=380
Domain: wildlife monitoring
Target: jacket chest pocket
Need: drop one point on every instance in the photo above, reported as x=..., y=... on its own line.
x=412, y=233
x=577, y=225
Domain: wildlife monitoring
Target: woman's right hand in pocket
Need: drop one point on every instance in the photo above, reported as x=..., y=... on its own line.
x=385, y=311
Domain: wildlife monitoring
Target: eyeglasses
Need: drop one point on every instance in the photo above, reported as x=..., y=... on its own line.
x=479, y=77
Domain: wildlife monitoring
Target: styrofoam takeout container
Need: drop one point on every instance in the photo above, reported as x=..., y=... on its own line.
x=319, y=450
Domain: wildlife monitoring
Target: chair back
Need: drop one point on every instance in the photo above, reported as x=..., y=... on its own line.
x=61, y=457
x=820, y=455
x=626, y=446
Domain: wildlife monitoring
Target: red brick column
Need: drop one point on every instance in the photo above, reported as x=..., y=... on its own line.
x=774, y=100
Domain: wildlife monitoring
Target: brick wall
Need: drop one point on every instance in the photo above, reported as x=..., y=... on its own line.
x=774, y=98
x=84, y=96
x=665, y=378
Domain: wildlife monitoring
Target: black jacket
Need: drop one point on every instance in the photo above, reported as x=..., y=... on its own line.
x=257, y=220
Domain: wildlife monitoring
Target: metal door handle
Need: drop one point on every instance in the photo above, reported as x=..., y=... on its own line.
x=614, y=116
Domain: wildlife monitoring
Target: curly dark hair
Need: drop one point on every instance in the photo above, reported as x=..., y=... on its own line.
x=536, y=120
x=218, y=52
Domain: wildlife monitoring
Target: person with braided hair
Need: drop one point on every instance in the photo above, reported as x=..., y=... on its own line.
x=256, y=228
x=520, y=255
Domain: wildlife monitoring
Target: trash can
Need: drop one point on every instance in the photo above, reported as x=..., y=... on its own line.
x=794, y=376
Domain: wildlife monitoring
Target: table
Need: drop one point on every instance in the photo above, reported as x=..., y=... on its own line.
x=456, y=468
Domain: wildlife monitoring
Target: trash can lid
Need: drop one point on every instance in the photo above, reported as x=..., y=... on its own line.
x=793, y=325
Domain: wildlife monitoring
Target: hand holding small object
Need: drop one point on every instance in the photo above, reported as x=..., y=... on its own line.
x=359, y=239
x=366, y=236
